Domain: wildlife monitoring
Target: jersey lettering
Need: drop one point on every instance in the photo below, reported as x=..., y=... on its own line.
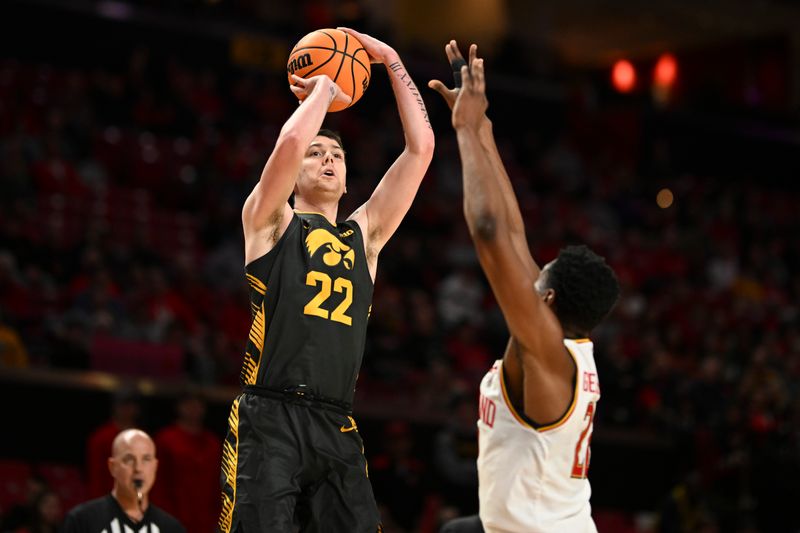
x=487, y=410
x=590, y=383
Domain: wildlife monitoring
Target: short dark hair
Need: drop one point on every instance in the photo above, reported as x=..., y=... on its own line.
x=330, y=134
x=586, y=288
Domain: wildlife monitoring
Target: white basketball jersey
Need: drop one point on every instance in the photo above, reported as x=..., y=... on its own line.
x=534, y=480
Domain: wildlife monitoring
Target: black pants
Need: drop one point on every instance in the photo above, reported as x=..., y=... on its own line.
x=294, y=463
x=467, y=524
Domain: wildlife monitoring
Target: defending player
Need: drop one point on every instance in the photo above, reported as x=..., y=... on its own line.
x=537, y=404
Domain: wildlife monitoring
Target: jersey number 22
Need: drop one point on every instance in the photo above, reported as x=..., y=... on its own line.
x=340, y=285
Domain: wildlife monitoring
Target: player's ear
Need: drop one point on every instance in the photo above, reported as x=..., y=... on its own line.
x=549, y=297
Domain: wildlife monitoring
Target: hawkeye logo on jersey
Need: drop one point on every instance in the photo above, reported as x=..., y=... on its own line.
x=335, y=251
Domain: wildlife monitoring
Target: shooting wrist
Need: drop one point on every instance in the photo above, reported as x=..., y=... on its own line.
x=389, y=57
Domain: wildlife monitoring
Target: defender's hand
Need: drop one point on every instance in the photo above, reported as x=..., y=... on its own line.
x=456, y=61
x=470, y=106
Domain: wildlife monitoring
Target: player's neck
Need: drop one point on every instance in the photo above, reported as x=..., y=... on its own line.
x=329, y=210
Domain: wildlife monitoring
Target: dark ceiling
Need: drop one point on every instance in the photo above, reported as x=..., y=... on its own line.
x=596, y=32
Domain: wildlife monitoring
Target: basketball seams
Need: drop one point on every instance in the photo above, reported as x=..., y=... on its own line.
x=315, y=47
x=332, y=38
x=339, y=70
x=353, y=83
x=358, y=60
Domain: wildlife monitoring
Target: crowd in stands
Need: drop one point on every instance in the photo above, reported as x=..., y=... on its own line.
x=120, y=250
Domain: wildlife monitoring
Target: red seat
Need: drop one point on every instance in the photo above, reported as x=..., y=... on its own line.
x=66, y=481
x=14, y=477
x=612, y=521
x=136, y=358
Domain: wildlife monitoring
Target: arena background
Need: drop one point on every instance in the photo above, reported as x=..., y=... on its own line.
x=130, y=133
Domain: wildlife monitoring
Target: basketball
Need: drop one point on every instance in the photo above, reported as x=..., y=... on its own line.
x=337, y=54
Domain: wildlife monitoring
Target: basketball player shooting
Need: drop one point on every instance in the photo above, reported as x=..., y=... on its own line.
x=293, y=456
x=537, y=404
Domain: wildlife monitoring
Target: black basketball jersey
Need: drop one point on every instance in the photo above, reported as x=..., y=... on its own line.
x=310, y=298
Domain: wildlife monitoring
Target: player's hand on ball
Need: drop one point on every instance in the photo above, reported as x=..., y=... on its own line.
x=378, y=51
x=303, y=87
x=456, y=61
x=471, y=103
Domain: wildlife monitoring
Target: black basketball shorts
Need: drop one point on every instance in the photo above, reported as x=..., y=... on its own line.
x=294, y=463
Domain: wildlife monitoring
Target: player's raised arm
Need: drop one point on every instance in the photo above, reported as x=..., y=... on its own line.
x=492, y=216
x=380, y=216
x=266, y=211
x=516, y=226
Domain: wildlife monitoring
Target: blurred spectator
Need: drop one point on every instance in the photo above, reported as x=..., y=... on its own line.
x=125, y=412
x=12, y=352
x=399, y=478
x=459, y=297
x=22, y=516
x=71, y=333
x=688, y=509
x=189, y=467
x=455, y=454
x=46, y=514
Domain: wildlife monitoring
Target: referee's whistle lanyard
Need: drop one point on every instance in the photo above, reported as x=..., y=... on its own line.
x=137, y=483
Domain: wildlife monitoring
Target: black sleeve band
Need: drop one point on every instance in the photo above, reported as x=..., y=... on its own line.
x=456, y=65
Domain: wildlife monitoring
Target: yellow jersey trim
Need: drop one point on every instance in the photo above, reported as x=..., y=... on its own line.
x=574, y=402
x=509, y=404
x=558, y=422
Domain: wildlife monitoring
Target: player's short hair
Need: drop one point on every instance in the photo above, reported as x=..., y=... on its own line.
x=330, y=134
x=586, y=287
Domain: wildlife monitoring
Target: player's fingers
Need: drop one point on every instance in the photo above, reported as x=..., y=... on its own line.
x=348, y=30
x=298, y=80
x=437, y=86
x=478, y=74
x=466, y=79
x=455, y=49
x=473, y=53
x=297, y=90
x=441, y=88
x=456, y=65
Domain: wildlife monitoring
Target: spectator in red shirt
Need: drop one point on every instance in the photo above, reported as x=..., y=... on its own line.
x=125, y=411
x=189, y=465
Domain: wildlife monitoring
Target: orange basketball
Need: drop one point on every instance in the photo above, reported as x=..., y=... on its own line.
x=337, y=54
